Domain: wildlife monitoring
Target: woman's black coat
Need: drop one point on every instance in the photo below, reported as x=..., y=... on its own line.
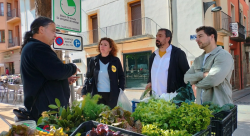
x=116, y=76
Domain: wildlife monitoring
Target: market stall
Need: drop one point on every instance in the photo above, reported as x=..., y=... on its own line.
x=153, y=116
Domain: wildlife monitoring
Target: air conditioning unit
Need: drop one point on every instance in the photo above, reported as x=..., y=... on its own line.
x=77, y=61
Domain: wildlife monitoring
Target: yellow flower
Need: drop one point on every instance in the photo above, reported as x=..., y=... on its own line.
x=45, y=114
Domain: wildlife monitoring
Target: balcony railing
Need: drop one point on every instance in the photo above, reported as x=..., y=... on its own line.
x=222, y=22
x=14, y=42
x=13, y=13
x=128, y=30
x=238, y=32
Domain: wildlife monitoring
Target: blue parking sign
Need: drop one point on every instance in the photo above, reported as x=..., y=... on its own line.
x=193, y=37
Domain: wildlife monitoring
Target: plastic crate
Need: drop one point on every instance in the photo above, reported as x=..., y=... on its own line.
x=234, y=118
x=134, y=105
x=206, y=132
x=86, y=126
x=222, y=124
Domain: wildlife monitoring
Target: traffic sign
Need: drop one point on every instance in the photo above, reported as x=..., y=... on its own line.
x=67, y=15
x=59, y=41
x=68, y=42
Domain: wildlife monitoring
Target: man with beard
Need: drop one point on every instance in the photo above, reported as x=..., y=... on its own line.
x=211, y=72
x=167, y=65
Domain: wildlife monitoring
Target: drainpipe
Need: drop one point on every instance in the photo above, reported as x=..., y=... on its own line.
x=170, y=15
x=26, y=21
x=239, y=9
x=241, y=70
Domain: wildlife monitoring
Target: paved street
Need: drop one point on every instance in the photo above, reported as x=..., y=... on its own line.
x=243, y=103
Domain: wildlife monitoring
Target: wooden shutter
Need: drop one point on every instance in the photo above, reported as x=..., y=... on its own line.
x=95, y=28
x=136, y=18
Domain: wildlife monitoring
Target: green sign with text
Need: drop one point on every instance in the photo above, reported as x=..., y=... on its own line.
x=67, y=15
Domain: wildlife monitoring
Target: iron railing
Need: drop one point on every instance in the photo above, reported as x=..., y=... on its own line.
x=241, y=31
x=138, y=27
x=222, y=21
x=238, y=31
x=13, y=13
x=14, y=42
x=1, y=13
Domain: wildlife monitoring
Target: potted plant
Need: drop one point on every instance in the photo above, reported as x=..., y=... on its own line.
x=248, y=39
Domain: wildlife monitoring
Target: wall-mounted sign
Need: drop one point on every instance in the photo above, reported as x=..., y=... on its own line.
x=234, y=28
x=68, y=42
x=193, y=37
x=67, y=15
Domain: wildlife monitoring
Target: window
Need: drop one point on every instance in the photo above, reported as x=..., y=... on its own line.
x=10, y=36
x=233, y=13
x=8, y=9
x=136, y=66
x=95, y=28
x=1, y=9
x=32, y=4
x=245, y=21
x=2, y=36
x=241, y=17
x=136, y=18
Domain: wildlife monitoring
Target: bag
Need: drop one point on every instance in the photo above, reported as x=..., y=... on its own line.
x=90, y=84
x=22, y=113
x=123, y=101
x=90, y=81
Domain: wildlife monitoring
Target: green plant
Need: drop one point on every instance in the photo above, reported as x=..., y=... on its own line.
x=193, y=118
x=91, y=108
x=120, y=118
x=185, y=94
x=248, y=39
x=70, y=118
x=215, y=108
x=152, y=130
x=156, y=111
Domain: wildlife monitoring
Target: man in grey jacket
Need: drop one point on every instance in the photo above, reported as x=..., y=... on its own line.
x=211, y=72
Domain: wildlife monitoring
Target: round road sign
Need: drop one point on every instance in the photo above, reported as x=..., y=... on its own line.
x=59, y=41
x=77, y=43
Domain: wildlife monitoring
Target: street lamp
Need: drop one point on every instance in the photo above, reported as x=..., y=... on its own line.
x=206, y=5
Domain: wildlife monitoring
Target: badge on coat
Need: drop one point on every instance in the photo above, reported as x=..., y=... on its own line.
x=113, y=68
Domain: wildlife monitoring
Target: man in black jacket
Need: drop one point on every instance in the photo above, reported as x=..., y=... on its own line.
x=44, y=76
x=167, y=65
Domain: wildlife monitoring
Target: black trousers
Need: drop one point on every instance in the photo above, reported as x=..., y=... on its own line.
x=105, y=99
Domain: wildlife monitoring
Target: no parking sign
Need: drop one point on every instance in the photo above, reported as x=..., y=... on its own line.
x=68, y=42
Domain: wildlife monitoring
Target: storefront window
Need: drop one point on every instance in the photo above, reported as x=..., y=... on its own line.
x=136, y=69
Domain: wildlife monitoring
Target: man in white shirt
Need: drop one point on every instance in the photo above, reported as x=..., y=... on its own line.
x=167, y=65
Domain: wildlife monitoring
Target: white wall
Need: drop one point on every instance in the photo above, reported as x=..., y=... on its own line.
x=158, y=10
x=187, y=16
x=27, y=16
x=106, y=12
x=112, y=12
